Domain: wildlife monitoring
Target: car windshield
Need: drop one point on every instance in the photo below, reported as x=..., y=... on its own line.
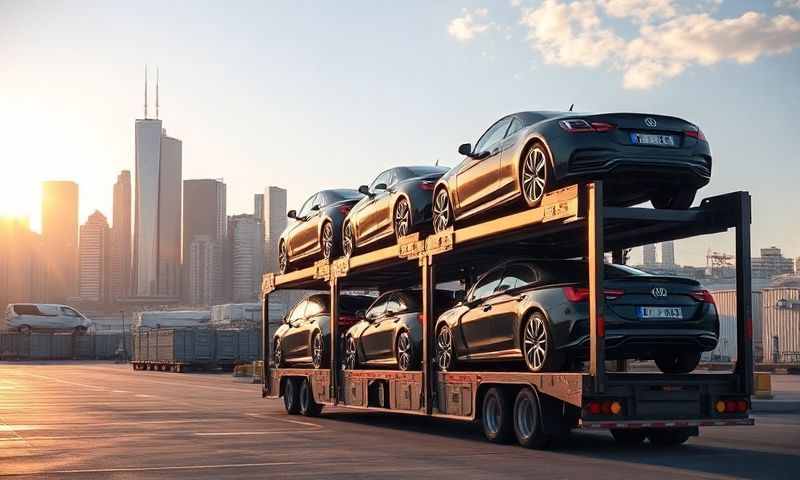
x=424, y=171
x=577, y=271
x=342, y=194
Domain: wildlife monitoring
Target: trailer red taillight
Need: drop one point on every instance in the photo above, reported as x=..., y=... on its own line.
x=605, y=407
x=731, y=406
x=581, y=294
x=578, y=125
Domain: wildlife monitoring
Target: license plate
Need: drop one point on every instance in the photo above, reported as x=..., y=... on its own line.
x=650, y=139
x=670, y=313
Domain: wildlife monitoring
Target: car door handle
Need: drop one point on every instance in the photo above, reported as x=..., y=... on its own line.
x=486, y=307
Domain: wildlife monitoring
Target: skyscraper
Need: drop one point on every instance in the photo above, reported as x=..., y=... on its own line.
x=157, y=219
x=246, y=257
x=203, y=215
x=205, y=272
x=274, y=223
x=60, y=236
x=23, y=271
x=668, y=254
x=649, y=254
x=95, y=259
x=121, y=238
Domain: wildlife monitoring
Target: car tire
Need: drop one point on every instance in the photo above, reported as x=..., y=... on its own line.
x=291, y=397
x=317, y=349
x=24, y=329
x=348, y=240
x=534, y=174
x=497, y=417
x=445, y=349
x=537, y=345
x=308, y=405
x=668, y=437
x=402, y=219
x=528, y=420
x=404, y=352
x=628, y=437
x=283, y=258
x=277, y=354
x=326, y=244
x=681, y=362
x=350, y=353
x=442, y=211
x=680, y=199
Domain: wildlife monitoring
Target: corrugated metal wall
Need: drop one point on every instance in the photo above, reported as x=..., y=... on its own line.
x=726, y=307
x=781, y=334
x=59, y=346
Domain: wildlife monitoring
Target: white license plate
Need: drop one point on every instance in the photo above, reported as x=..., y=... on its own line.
x=650, y=139
x=670, y=313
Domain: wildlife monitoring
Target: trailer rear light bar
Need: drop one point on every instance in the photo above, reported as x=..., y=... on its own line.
x=605, y=425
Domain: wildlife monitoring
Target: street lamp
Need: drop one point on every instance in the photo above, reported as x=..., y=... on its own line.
x=124, y=345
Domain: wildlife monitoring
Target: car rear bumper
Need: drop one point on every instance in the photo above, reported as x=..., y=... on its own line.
x=669, y=168
x=645, y=344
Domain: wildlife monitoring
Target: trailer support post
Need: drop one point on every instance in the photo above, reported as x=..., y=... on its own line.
x=597, y=354
x=744, y=296
x=334, y=340
x=266, y=344
x=428, y=372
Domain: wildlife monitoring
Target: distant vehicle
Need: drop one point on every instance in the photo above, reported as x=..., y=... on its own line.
x=537, y=311
x=304, y=337
x=315, y=232
x=29, y=317
x=390, y=333
x=396, y=203
x=522, y=156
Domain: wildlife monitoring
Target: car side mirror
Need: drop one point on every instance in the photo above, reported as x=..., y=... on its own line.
x=292, y=214
x=380, y=186
x=465, y=149
x=364, y=190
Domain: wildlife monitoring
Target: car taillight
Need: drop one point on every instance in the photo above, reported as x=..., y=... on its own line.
x=579, y=125
x=581, y=294
x=426, y=185
x=696, y=134
x=606, y=407
x=703, y=296
x=345, y=209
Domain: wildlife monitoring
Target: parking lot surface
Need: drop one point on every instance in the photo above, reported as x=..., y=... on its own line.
x=101, y=420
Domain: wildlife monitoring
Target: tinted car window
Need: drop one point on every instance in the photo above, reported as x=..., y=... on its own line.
x=27, y=310
x=305, y=210
x=578, y=271
x=492, y=136
x=332, y=196
x=515, y=126
x=486, y=285
x=354, y=303
x=69, y=312
x=425, y=171
x=516, y=276
x=393, y=306
x=378, y=308
x=382, y=178
x=297, y=312
x=314, y=307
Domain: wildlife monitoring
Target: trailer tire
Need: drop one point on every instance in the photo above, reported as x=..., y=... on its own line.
x=497, y=416
x=629, y=437
x=291, y=396
x=528, y=420
x=668, y=437
x=308, y=406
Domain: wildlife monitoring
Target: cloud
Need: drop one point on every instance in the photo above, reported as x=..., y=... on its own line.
x=467, y=26
x=787, y=3
x=641, y=10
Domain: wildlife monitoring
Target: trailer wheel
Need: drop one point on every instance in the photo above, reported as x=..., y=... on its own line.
x=528, y=420
x=668, y=437
x=308, y=406
x=291, y=397
x=496, y=416
x=628, y=437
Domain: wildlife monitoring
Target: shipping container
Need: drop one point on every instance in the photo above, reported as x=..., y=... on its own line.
x=726, y=308
x=237, y=345
x=781, y=333
x=171, y=319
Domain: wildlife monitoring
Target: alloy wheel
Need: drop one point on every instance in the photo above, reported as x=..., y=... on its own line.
x=350, y=355
x=348, y=240
x=402, y=218
x=442, y=213
x=535, y=343
x=403, y=351
x=327, y=240
x=316, y=350
x=534, y=175
x=283, y=258
x=444, y=348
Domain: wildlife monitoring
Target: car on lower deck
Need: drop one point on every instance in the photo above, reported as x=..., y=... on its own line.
x=304, y=337
x=536, y=311
x=30, y=317
x=390, y=332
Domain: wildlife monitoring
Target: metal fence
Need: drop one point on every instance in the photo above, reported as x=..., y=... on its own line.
x=64, y=346
x=781, y=335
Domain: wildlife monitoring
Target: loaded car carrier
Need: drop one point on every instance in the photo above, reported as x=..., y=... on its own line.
x=571, y=222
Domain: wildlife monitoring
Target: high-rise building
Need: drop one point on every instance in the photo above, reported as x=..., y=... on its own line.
x=205, y=272
x=121, y=238
x=668, y=254
x=203, y=216
x=60, y=236
x=95, y=259
x=274, y=223
x=23, y=271
x=649, y=254
x=246, y=257
x=771, y=263
x=157, y=217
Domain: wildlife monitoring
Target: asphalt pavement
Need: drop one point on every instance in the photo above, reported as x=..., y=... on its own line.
x=100, y=420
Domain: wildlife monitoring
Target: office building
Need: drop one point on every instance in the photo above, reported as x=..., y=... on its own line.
x=246, y=257
x=668, y=254
x=204, y=205
x=23, y=270
x=274, y=221
x=95, y=259
x=60, y=237
x=771, y=263
x=205, y=271
x=121, y=238
x=649, y=254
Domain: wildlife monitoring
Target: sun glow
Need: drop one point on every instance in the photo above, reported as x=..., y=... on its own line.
x=20, y=198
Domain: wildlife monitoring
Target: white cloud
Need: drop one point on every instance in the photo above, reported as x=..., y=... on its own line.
x=641, y=10
x=468, y=26
x=787, y=3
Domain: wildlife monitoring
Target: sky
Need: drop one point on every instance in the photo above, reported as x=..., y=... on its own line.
x=311, y=95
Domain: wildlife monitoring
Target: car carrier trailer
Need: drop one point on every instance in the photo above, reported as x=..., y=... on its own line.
x=569, y=223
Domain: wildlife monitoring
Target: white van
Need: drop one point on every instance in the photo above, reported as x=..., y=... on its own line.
x=28, y=317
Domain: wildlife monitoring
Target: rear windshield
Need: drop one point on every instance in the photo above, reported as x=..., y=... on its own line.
x=578, y=271
x=342, y=194
x=27, y=310
x=424, y=171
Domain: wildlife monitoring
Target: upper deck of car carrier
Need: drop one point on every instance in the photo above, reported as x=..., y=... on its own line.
x=571, y=222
